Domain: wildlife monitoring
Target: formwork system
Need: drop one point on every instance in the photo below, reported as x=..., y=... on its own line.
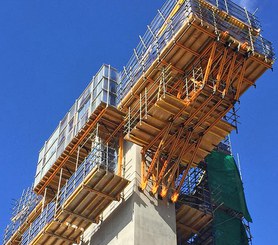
x=187, y=73
x=66, y=144
x=79, y=171
x=80, y=202
x=175, y=98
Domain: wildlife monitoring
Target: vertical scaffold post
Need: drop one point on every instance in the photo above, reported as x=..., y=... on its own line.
x=129, y=118
x=29, y=233
x=226, y=5
x=140, y=109
x=44, y=198
x=98, y=148
x=120, y=154
x=108, y=86
x=58, y=191
x=143, y=43
x=186, y=89
x=163, y=82
x=194, y=79
x=146, y=103
x=201, y=13
x=76, y=166
x=146, y=49
x=264, y=47
x=250, y=30
x=155, y=38
x=215, y=23
x=65, y=191
x=84, y=167
x=77, y=159
x=107, y=155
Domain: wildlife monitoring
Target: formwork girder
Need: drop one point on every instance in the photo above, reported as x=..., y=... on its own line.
x=219, y=74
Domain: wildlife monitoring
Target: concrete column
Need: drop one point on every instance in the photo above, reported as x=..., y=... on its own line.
x=139, y=218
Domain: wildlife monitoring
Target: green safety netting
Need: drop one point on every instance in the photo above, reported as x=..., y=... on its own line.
x=225, y=183
x=228, y=230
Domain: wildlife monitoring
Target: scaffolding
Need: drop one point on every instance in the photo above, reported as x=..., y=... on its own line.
x=194, y=210
x=176, y=98
x=80, y=202
x=187, y=73
x=223, y=15
x=204, y=213
x=100, y=93
x=25, y=209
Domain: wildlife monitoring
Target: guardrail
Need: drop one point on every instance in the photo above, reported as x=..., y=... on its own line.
x=22, y=209
x=102, y=156
x=169, y=20
x=102, y=88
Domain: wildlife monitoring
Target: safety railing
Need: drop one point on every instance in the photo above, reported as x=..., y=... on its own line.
x=237, y=11
x=258, y=43
x=164, y=85
x=103, y=156
x=102, y=88
x=194, y=191
x=158, y=34
x=21, y=210
x=169, y=20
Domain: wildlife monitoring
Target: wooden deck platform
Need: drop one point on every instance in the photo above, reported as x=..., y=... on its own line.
x=109, y=119
x=190, y=221
x=185, y=48
x=82, y=208
x=227, y=70
x=158, y=118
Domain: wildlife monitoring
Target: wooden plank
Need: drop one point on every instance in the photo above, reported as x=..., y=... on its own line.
x=99, y=193
x=60, y=237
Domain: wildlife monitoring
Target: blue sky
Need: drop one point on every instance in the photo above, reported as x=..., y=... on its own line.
x=51, y=49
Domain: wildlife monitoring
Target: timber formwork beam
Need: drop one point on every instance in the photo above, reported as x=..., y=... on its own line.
x=220, y=60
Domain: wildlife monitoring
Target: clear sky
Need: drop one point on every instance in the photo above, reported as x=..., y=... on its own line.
x=49, y=50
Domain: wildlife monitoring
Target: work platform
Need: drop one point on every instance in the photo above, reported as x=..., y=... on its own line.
x=78, y=205
x=190, y=222
x=175, y=99
x=15, y=237
x=194, y=210
x=181, y=95
x=188, y=46
x=168, y=107
x=108, y=118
